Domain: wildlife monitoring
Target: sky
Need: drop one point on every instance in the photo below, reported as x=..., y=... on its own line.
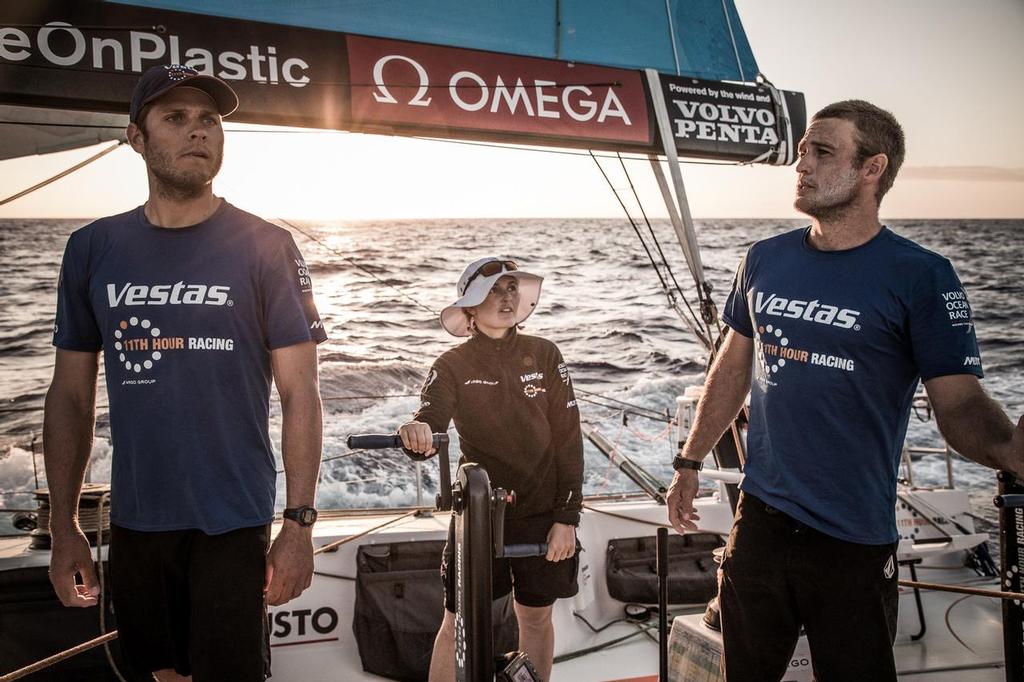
x=950, y=72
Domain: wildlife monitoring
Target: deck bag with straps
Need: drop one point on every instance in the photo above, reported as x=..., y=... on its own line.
x=399, y=606
x=632, y=569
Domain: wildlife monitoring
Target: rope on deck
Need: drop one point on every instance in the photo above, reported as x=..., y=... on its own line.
x=112, y=635
x=957, y=589
x=57, y=658
x=338, y=543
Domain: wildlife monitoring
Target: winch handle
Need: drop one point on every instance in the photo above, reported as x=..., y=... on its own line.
x=379, y=441
x=526, y=549
x=439, y=441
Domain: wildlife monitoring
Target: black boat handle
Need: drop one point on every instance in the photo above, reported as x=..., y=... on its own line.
x=526, y=549
x=378, y=441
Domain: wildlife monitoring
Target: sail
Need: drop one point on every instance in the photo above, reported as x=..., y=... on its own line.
x=698, y=38
x=563, y=73
x=27, y=131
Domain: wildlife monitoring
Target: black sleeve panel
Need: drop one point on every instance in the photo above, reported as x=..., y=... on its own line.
x=438, y=397
x=566, y=441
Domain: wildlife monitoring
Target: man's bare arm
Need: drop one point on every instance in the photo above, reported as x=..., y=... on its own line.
x=290, y=562
x=725, y=389
x=975, y=425
x=68, y=421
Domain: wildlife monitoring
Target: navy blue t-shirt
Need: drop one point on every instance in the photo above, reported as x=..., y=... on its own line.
x=840, y=341
x=187, y=318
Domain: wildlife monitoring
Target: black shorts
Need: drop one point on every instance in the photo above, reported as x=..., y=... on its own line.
x=779, y=574
x=192, y=602
x=534, y=581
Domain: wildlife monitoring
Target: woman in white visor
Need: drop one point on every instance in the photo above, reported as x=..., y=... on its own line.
x=512, y=402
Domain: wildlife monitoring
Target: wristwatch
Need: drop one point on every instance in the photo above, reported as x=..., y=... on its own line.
x=679, y=463
x=304, y=516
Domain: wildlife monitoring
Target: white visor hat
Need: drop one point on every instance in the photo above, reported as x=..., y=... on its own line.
x=476, y=282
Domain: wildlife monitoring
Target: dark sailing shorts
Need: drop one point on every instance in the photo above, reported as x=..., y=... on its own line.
x=779, y=574
x=192, y=602
x=534, y=581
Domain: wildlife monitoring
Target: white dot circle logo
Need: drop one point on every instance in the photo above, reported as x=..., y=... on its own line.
x=772, y=335
x=136, y=347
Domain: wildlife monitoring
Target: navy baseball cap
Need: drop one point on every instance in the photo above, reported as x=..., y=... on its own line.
x=159, y=79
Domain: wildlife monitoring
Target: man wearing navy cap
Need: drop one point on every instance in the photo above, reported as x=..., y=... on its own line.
x=196, y=307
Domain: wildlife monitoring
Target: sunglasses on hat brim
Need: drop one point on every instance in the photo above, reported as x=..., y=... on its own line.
x=491, y=268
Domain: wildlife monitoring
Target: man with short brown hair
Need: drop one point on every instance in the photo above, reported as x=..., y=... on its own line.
x=196, y=306
x=838, y=321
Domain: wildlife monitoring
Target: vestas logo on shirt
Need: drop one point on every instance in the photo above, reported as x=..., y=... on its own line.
x=164, y=294
x=812, y=311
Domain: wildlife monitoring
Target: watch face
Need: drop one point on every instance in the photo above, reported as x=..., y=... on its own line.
x=307, y=516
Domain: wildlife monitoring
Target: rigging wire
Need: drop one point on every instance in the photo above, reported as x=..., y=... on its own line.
x=614, y=400
x=632, y=223
x=672, y=37
x=350, y=453
x=356, y=265
x=732, y=36
x=566, y=152
x=638, y=410
x=635, y=409
x=669, y=293
x=657, y=244
x=371, y=397
x=58, y=176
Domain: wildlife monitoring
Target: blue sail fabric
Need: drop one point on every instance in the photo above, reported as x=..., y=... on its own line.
x=698, y=38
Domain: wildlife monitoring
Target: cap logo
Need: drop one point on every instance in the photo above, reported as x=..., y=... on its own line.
x=177, y=72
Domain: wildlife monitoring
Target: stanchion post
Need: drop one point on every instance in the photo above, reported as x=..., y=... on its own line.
x=663, y=604
x=1010, y=502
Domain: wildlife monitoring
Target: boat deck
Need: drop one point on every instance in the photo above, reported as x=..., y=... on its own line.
x=329, y=651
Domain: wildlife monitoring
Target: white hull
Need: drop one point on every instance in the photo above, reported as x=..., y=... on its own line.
x=312, y=636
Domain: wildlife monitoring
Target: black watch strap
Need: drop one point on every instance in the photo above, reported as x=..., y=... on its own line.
x=304, y=515
x=679, y=463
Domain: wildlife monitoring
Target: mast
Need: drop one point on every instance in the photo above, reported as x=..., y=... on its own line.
x=682, y=219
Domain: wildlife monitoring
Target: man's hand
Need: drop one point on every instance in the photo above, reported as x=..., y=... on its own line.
x=417, y=437
x=681, y=512
x=289, y=564
x=561, y=542
x=71, y=555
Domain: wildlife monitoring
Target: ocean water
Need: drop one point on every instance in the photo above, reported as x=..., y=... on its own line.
x=601, y=303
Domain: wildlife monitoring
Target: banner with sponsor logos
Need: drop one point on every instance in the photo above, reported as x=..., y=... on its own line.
x=735, y=121
x=443, y=90
x=87, y=56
